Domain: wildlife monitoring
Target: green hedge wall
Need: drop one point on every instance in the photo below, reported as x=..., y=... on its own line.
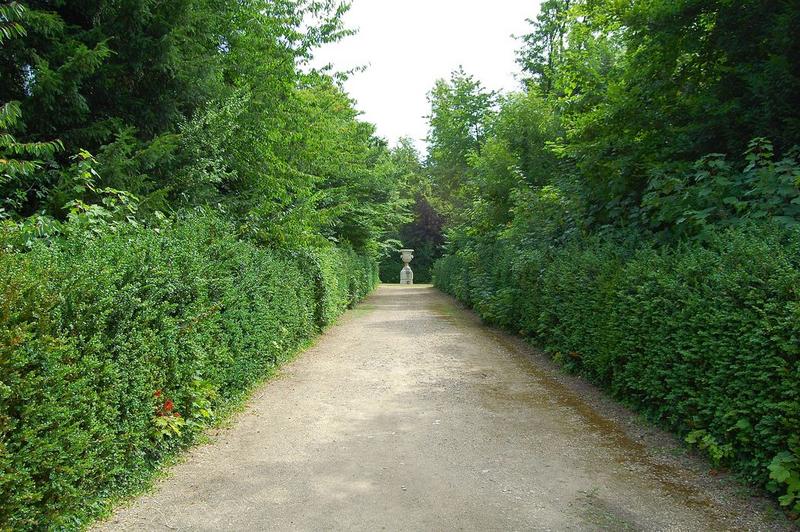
x=703, y=338
x=110, y=347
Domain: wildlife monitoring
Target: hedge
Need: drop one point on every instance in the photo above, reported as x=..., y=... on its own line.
x=703, y=338
x=118, y=350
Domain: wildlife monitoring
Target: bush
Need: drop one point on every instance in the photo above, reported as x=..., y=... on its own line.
x=116, y=351
x=702, y=338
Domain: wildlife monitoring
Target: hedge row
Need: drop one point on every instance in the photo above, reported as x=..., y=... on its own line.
x=115, y=351
x=703, y=339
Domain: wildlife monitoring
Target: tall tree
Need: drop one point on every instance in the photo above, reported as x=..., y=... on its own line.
x=545, y=44
x=461, y=110
x=648, y=87
x=122, y=78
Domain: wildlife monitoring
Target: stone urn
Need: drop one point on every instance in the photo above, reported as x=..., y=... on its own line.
x=406, y=275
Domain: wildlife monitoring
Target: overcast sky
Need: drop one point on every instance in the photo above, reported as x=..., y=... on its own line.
x=408, y=44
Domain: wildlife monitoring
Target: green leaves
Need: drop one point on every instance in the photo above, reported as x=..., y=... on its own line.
x=785, y=471
x=644, y=88
x=19, y=161
x=717, y=194
x=191, y=104
x=11, y=15
x=706, y=442
x=461, y=110
x=168, y=426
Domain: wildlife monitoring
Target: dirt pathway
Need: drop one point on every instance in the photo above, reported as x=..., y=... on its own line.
x=409, y=415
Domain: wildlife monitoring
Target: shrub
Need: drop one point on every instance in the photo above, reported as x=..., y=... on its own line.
x=702, y=337
x=116, y=351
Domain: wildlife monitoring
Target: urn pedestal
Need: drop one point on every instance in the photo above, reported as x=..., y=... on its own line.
x=406, y=275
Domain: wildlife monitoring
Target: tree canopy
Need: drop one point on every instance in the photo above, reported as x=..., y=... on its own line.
x=626, y=111
x=194, y=104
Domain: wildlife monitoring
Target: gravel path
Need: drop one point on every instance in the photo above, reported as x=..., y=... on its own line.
x=410, y=415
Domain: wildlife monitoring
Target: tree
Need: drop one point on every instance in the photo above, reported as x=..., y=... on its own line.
x=644, y=88
x=18, y=160
x=544, y=46
x=461, y=109
x=122, y=79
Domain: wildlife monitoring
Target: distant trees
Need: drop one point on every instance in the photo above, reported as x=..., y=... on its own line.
x=460, y=111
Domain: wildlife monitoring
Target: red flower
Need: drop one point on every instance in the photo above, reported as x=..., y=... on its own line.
x=157, y=393
x=177, y=414
x=169, y=405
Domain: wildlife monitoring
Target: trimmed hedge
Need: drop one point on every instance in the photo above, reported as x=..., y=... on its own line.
x=702, y=338
x=110, y=347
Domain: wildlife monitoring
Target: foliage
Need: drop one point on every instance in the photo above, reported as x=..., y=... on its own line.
x=785, y=469
x=635, y=209
x=460, y=109
x=198, y=103
x=10, y=21
x=117, y=349
x=644, y=88
x=715, y=194
x=111, y=209
x=546, y=45
x=18, y=160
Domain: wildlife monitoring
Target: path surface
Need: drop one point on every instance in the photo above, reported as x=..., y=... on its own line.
x=409, y=415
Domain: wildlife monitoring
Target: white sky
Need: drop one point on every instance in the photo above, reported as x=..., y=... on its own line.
x=408, y=44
